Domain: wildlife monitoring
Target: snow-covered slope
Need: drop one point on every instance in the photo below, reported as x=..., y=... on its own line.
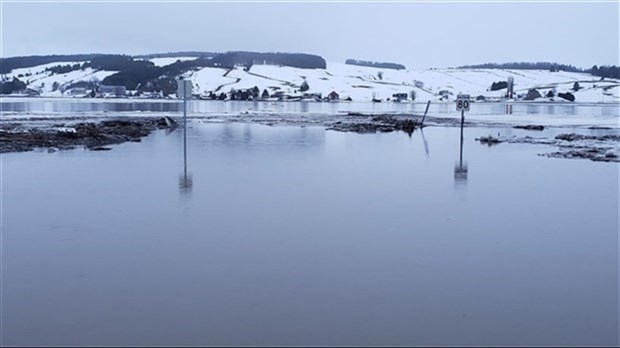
x=168, y=61
x=364, y=83
x=350, y=81
x=54, y=85
x=45, y=84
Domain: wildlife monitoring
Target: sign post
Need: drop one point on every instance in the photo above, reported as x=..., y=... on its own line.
x=184, y=90
x=462, y=105
x=425, y=111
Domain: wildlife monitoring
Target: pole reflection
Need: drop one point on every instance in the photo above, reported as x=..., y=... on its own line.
x=460, y=169
x=425, y=142
x=185, y=180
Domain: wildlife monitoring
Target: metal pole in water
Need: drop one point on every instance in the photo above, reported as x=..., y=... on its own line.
x=462, y=105
x=462, y=123
x=425, y=111
x=185, y=129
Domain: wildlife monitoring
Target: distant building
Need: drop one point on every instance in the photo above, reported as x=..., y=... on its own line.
x=312, y=96
x=77, y=92
x=293, y=97
x=152, y=95
x=31, y=92
x=333, y=96
x=398, y=97
x=510, y=87
x=278, y=94
x=444, y=94
x=112, y=91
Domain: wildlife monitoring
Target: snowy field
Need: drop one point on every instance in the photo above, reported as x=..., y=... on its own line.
x=365, y=83
x=350, y=81
x=168, y=61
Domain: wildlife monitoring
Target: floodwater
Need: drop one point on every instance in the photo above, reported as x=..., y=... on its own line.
x=301, y=236
x=73, y=106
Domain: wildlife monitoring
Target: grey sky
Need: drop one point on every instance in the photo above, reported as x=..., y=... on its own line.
x=419, y=35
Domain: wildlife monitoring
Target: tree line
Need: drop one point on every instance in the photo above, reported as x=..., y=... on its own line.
x=371, y=64
x=196, y=54
x=524, y=66
x=296, y=60
x=610, y=71
x=8, y=64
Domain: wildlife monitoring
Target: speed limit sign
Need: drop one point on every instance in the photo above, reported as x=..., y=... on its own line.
x=462, y=102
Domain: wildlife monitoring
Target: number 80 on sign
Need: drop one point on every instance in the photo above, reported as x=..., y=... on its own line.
x=462, y=102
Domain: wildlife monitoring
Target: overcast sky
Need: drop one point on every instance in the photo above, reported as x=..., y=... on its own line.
x=419, y=35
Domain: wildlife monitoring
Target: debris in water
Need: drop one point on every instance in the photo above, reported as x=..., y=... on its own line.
x=489, y=140
x=531, y=127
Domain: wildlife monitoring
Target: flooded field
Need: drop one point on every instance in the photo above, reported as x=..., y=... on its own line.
x=301, y=236
x=558, y=114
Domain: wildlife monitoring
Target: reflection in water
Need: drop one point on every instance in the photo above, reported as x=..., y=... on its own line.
x=226, y=133
x=310, y=194
x=304, y=106
x=425, y=143
x=185, y=179
x=611, y=111
x=185, y=183
x=569, y=110
x=533, y=109
x=247, y=134
x=460, y=169
x=84, y=107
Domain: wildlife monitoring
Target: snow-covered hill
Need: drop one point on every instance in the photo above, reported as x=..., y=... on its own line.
x=56, y=85
x=349, y=81
x=364, y=83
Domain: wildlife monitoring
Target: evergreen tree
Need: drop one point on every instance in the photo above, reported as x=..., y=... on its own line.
x=304, y=86
x=14, y=86
x=594, y=70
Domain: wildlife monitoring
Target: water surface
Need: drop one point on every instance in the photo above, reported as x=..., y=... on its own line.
x=561, y=113
x=301, y=236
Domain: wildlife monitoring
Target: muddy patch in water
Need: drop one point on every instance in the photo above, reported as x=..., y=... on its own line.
x=599, y=148
x=14, y=137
